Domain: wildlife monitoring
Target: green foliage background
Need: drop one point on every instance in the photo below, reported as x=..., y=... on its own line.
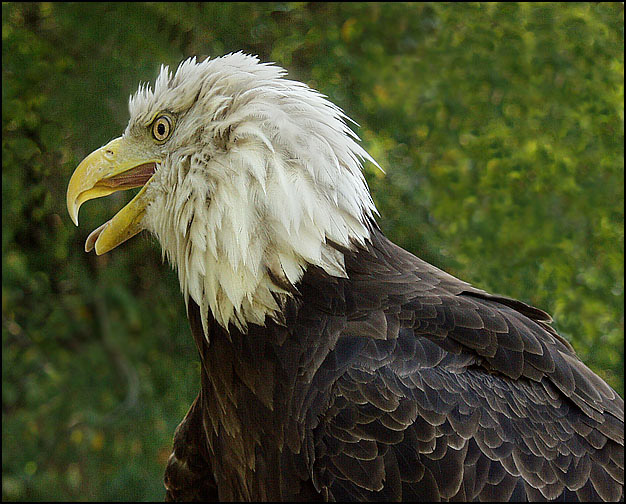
x=500, y=128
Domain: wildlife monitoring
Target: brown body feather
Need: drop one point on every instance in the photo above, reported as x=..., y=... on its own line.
x=399, y=382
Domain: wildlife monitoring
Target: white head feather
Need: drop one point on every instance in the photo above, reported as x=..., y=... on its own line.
x=259, y=173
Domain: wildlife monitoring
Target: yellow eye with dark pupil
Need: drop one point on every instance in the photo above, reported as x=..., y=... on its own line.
x=162, y=128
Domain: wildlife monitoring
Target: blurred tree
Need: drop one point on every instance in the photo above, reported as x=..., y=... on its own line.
x=499, y=126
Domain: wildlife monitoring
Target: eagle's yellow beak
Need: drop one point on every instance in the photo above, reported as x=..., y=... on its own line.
x=114, y=167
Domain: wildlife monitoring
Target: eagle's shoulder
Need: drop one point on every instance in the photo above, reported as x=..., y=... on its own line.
x=441, y=389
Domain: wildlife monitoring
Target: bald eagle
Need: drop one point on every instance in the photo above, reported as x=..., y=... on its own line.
x=335, y=364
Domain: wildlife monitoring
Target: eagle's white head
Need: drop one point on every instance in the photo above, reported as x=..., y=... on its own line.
x=246, y=178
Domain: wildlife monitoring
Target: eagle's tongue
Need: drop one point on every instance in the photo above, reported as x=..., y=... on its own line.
x=90, y=243
x=137, y=177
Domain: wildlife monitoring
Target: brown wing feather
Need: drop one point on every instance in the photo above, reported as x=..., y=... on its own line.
x=469, y=396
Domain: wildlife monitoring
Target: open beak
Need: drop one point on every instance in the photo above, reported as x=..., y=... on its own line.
x=114, y=167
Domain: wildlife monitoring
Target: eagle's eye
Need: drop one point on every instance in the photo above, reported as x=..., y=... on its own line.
x=162, y=128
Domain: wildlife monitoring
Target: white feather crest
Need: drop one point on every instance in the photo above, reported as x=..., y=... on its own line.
x=259, y=174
